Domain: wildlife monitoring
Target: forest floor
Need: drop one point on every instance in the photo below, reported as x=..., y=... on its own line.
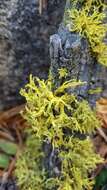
x=11, y=131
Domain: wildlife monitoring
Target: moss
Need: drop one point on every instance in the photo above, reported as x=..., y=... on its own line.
x=50, y=113
x=89, y=22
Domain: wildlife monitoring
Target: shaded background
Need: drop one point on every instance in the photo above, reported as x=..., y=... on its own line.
x=24, y=44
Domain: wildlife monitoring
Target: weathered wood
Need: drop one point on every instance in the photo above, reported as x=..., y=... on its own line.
x=68, y=50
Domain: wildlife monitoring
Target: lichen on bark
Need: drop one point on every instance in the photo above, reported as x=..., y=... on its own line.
x=71, y=51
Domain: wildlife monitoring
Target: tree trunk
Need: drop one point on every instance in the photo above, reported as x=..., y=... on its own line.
x=24, y=44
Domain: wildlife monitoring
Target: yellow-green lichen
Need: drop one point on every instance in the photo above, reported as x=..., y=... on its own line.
x=50, y=114
x=63, y=73
x=95, y=91
x=89, y=22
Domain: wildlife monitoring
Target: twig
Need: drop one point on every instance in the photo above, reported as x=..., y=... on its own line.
x=11, y=167
x=6, y=136
x=4, y=180
x=103, y=135
x=42, y=5
x=11, y=113
x=8, y=173
x=19, y=137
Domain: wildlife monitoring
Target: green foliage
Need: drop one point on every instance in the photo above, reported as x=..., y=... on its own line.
x=51, y=113
x=101, y=180
x=8, y=147
x=4, y=161
x=89, y=22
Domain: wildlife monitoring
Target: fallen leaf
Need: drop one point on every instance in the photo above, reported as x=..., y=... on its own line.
x=8, y=147
x=4, y=161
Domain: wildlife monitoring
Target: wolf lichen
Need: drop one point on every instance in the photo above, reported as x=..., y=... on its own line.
x=89, y=22
x=57, y=117
x=63, y=73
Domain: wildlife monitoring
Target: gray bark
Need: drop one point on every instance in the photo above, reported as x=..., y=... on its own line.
x=68, y=50
x=24, y=44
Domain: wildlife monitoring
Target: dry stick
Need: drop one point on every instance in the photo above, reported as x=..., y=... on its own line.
x=11, y=167
x=42, y=5
x=102, y=134
x=4, y=180
x=11, y=113
x=6, y=136
x=5, y=133
x=19, y=136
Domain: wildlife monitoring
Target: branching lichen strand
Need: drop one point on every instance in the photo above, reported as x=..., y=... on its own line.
x=56, y=117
